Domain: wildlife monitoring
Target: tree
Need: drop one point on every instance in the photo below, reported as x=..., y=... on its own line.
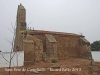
x=95, y=46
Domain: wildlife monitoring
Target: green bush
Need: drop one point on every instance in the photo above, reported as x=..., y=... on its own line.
x=54, y=61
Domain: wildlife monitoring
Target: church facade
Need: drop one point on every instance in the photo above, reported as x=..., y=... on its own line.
x=40, y=45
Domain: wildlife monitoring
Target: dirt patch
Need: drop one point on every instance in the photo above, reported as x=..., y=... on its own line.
x=71, y=66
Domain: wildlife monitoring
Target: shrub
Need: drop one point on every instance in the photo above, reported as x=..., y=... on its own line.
x=54, y=61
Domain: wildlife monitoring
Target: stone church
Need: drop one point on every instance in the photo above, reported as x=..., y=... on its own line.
x=40, y=45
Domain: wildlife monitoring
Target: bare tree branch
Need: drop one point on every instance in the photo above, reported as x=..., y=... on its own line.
x=11, y=31
x=12, y=45
x=5, y=58
x=8, y=40
x=30, y=23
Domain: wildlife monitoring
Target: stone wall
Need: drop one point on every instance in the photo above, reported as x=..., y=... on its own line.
x=21, y=25
x=54, y=45
x=85, y=49
x=67, y=46
x=51, y=47
x=33, y=49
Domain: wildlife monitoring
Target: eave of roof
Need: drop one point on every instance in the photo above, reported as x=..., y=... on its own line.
x=52, y=32
x=37, y=32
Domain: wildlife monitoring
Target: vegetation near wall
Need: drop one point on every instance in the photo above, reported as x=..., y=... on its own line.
x=95, y=46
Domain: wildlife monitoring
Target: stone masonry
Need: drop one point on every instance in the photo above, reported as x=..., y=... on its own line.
x=39, y=45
